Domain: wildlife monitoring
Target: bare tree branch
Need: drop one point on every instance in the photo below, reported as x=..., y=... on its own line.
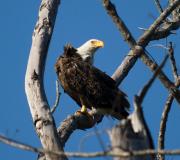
x=139, y=99
x=163, y=78
x=173, y=62
x=148, y=85
x=88, y=155
x=111, y=10
x=19, y=145
x=34, y=87
x=158, y=5
x=163, y=122
x=138, y=50
x=145, y=38
x=70, y=124
x=168, y=104
x=89, y=135
x=58, y=94
x=132, y=134
x=164, y=118
x=127, y=64
x=175, y=13
x=77, y=121
x=166, y=30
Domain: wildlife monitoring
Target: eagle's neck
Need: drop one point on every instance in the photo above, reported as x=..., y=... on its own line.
x=89, y=60
x=86, y=54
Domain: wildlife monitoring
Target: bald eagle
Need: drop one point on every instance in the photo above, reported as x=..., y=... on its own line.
x=86, y=84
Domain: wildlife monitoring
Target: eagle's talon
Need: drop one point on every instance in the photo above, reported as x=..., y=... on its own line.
x=84, y=109
x=85, y=120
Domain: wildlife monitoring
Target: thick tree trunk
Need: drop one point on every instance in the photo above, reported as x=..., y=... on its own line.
x=39, y=107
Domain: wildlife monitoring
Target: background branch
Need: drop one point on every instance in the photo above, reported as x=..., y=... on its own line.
x=148, y=85
x=164, y=118
x=158, y=5
x=111, y=10
x=163, y=122
x=88, y=155
x=131, y=58
x=173, y=61
x=166, y=30
x=145, y=38
x=168, y=104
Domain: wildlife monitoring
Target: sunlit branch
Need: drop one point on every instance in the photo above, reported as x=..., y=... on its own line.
x=40, y=110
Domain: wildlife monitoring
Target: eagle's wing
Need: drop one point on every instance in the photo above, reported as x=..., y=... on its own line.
x=91, y=87
x=102, y=76
x=94, y=86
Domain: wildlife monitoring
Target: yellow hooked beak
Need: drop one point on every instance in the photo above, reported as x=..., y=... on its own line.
x=98, y=44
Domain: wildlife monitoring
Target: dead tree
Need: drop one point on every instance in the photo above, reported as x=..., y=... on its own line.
x=54, y=139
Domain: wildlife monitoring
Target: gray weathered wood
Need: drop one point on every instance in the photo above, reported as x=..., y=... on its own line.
x=39, y=107
x=132, y=134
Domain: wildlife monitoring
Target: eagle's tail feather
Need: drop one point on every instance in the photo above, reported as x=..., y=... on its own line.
x=120, y=115
x=121, y=106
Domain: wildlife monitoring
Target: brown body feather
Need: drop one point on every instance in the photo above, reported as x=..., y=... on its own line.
x=89, y=86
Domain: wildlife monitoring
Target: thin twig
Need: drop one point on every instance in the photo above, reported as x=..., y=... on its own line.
x=143, y=29
x=163, y=122
x=173, y=61
x=158, y=5
x=159, y=46
x=149, y=83
x=99, y=138
x=58, y=94
x=19, y=145
x=90, y=134
x=164, y=118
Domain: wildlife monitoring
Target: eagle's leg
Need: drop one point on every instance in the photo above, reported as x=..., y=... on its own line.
x=84, y=109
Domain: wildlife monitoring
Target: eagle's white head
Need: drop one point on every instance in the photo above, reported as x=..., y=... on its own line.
x=88, y=49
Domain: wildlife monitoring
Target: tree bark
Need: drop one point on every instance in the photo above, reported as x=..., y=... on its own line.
x=132, y=134
x=34, y=87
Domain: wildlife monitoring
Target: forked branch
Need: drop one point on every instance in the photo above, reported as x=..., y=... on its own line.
x=138, y=49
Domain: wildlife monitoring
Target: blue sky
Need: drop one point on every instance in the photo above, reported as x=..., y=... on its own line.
x=77, y=21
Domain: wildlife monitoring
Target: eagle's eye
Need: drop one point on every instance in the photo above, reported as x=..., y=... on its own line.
x=93, y=42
